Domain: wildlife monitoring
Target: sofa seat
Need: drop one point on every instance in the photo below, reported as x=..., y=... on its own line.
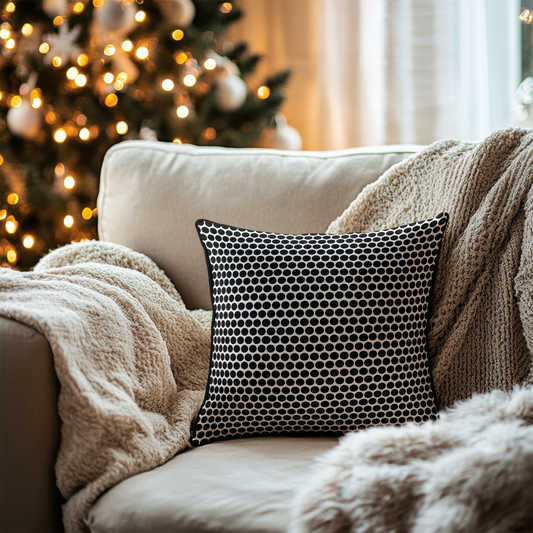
x=233, y=486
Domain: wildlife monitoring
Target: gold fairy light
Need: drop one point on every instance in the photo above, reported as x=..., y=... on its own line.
x=122, y=76
x=72, y=72
x=44, y=48
x=526, y=16
x=189, y=80
x=3, y=214
x=226, y=7
x=122, y=128
x=209, y=134
x=118, y=85
x=263, y=92
x=12, y=256
x=109, y=78
x=80, y=80
x=50, y=117
x=58, y=21
x=181, y=58
x=59, y=169
x=177, y=35
x=27, y=30
x=98, y=3
x=68, y=221
x=83, y=60
x=182, y=111
x=13, y=198
x=15, y=101
x=167, y=85
x=56, y=61
x=87, y=213
x=84, y=134
x=60, y=135
x=142, y=52
x=140, y=16
x=127, y=46
x=5, y=34
x=177, y=140
x=111, y=100
x=78, y=7
x=10, y=7
x=1, y=160
x=36, y=103
x=69, y=182
x=210, y=64
x=10, y=44
x=11, y=225
x=109, y=50
x=28, y=241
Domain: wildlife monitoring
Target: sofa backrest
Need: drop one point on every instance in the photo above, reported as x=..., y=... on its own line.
x=151, y=194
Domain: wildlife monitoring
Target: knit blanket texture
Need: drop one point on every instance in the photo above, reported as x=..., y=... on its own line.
x=471, y=471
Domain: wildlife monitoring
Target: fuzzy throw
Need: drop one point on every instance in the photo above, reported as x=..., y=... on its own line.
x=131, y=360
x=471, y=471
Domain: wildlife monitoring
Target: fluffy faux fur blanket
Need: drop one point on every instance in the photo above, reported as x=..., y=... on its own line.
x=131, y=360
x=472, y=470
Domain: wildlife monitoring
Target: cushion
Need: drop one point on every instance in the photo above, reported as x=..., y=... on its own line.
x=152, y=193
x=239, y=486
x=318, y=333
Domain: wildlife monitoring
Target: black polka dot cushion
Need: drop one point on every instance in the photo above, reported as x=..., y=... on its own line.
x=318, y=333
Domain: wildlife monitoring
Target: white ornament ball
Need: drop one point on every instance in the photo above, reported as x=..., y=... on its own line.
x=54, y=8
x=24, y=121
x=231, y=93
x=285, y=137
x=114, y=16
x=177, y=13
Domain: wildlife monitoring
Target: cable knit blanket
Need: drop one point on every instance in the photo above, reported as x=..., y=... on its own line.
x=472, y=470
x=131, y=360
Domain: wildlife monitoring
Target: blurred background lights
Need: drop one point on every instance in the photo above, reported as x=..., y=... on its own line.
x=122, y=128
x=80, y=80
x=177, y=35
x=109, y=50
x=28, y=241
x=60, y=135
x=10, y=44
x=84, y=134
x=56, y=61
x=189, y=80
x=72, y=72
x=83, y=60
x=68, y=221
x=109, y=78
x=111, y=100
x=142, y=52
x=210, y=64
x=69, y=182
x=140, y=16
x=44, y=48
x=27, y=30
x=127, y=46
x=13, y=198
x=182, y=111
x=167, y=85
x=263, y=92
x=87, y=213
x=12, y=256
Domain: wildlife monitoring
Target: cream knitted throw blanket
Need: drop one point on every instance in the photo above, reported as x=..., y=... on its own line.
x=131, y=360
x=472, y=470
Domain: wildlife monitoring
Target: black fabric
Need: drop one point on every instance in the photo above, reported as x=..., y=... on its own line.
x=318, y=333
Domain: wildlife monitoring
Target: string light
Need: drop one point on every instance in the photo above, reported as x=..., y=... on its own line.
x=10, y=44
x=111, y=100
x=226, y=7
x=36, y=103
x=87, y=213
x=122, y=128
x=27, y=30
x=72, y=72
x=1, y=96
x=1, y=160
x=80, y=80
x=263, y=92
x=16, y=101
x=84, y=134
x=13, y=198
x=58, y=21
x=56, y=61
x=189, y=80
x=60, y=135
x=12, y=256
x=69, y=182
x=177, y=35
x=78, y=7
x=10, y=7
x=210, y=64
x=140, y=16
x=177, y=140
x=127, y=46
x=142, y=52
x=44, y=48
x=4, y=33
x=109, y=78
x=182, y=111
x=50, y=117
x=68, y=221
x=3, y=214
x=11, y=225
x=83, y=60
x=526, y=16
x=28, y=241
x=59, y=169
x=181, y=58
x=209, y=133
x=122, y=76
x=98, y=3
x=118, y=85
x=109, y=50
x=167, y=85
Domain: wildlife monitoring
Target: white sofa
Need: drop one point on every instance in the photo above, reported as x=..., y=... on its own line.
x=151, y=194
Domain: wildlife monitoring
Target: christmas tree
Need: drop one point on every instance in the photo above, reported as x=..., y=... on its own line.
x=79, y=76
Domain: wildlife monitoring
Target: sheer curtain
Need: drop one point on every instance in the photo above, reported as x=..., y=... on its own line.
x=370, y=72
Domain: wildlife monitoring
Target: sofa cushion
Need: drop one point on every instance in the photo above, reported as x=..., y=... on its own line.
x=239, y=486
x=151, y=194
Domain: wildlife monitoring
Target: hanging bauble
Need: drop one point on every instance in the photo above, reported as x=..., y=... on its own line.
x=113, y=16
x=55, y=8
x=24, y=121
x=177, y=13
x=230, y=93
x=284, y=137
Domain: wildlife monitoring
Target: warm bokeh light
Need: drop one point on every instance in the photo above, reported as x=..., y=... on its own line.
x=50, y=117
x=109, y=78
x=10, y=44
x=209, y=134
x=69, y=182
x=118, y=85
x=78, y=7
x=44, y=48
x=263, y=92
x=84, y=134
x=3, y=214
x=109, y=50
x=189, y=80
x=182, y=111
x=98, y=3
x=226, y=7
x=87, y=213
x=167, y=85
x=56, y=61
x=16, y=101
x=122, y=128
x=13, y=198
x=36, y=103
x=59, y=169
x=177, y=140
x=72, y=72
x=12, y=256
x=10, y=7
x=58, y=21
x=140, y=16
x=127, y=46
x=1, y=160
x=526, y=16
x=27, y=30
x=60, y=135
x=111, y=100
x=28, y=241
x=181, y=58
x=68, y=221
x=177, y=35
x=11, y=226
x=83, y=60
x=80, y=80
x=210, y=64
x=5, y=33
x=142, y=52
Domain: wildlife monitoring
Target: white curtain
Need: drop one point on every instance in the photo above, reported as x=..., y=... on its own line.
x=371, y=72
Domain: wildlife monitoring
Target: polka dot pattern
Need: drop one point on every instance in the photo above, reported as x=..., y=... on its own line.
x=318, y=333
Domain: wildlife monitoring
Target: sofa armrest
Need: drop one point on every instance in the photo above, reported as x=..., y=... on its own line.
x=30, y=431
